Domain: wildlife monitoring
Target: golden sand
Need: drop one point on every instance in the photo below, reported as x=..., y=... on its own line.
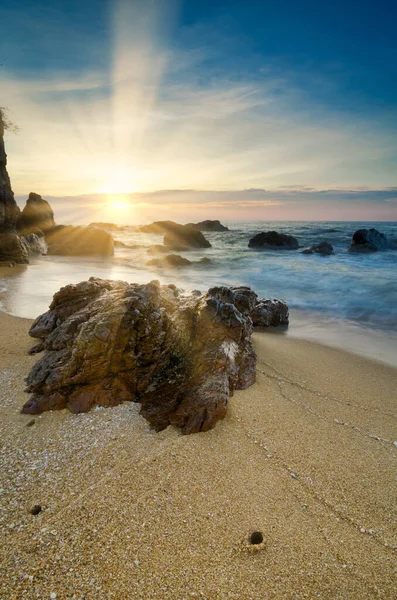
x=306, y=456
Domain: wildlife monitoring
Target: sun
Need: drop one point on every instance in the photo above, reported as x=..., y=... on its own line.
x=119, y=205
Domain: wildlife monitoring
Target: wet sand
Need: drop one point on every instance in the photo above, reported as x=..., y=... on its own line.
x=306, y=455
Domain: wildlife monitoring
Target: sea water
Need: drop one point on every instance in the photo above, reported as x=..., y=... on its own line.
x=347, y=299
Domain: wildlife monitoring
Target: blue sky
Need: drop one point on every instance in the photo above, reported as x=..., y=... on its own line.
x=128, y=98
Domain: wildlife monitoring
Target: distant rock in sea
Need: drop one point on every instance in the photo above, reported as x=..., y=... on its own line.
x=157, y=227
x=176, y=234
x=37, y=214
x=102, y=225
x=69, y=240
x=179, y=355
x=208, y=226
x=368, y=240
x=323, y=248
x=182, y=235
x=274, y=241
x=171, y=260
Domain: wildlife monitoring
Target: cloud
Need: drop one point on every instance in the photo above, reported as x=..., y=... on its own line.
x=155, y=116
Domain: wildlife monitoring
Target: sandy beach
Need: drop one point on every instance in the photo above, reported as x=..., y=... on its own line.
x=307, y=456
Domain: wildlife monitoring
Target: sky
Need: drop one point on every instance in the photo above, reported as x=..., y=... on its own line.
x=140, y=110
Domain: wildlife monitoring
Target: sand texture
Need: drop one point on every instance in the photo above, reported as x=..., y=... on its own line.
x=306, y=455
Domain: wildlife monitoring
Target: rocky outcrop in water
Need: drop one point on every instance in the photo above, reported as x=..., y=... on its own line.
x=324, y=248
x=171, y=260
x=177, y=235
x=270, y=313
x=37, y=214
x=368, y=240
x=180, y=356
x=182, y=235
x=160, y=227
x=208, y=226
x=273, y=241
x=68, y=240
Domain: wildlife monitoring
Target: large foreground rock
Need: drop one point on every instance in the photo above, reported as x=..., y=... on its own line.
x=274, y=241
x=180, y=356
x=208, y=226
x=36, y=215
x=368, y=240
x=68, y=240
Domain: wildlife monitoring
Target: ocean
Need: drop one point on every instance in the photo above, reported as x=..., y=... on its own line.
x=348, y=300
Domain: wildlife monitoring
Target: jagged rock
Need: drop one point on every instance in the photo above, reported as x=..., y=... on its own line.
x=171, y=260
x=37, y=214
x=180, y=356
x=68, y=240
x=34, y=244
x=208, y=226
x=12, y=249
x=273, y=240
x=368, y=240
x=270, y=313
x=324, y=248
x=182, y=235
x=159, y=249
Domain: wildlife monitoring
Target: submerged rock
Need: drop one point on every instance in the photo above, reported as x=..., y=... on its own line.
x=37, y=214
x=368, y=240
x=208, y=226
x=69, y=240
x=171, y=260
x=273, y=240
x=270, y=313
x=180, y=356
x=324, y=248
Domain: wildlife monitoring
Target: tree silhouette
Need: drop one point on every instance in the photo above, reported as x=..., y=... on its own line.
x=5, y=123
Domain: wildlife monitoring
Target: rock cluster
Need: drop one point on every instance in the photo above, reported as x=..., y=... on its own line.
x=270, y=313
x=179, y=355
x=273, y=240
